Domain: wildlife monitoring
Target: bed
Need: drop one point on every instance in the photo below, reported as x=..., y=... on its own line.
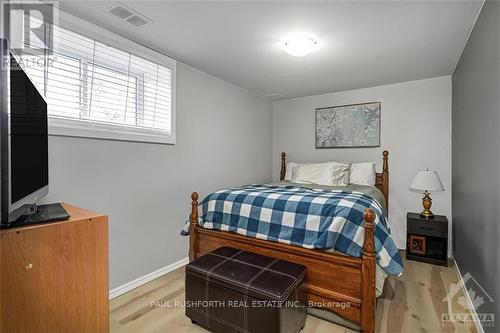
x=343, y=284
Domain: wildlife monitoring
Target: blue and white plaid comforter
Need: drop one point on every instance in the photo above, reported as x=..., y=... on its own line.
x=316, y=219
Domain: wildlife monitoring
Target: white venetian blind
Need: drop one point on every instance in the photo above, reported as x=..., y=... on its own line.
x=89, y=81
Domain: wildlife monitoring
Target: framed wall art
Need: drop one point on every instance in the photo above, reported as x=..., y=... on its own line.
x=348, y=126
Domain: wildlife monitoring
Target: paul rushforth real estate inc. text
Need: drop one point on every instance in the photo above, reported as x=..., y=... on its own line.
x=237, y=304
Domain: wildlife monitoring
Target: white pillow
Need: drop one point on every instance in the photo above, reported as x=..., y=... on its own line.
x=312, y=173
x=363, y=173
x=340, y=176
x=329, y=173
x=290, y=169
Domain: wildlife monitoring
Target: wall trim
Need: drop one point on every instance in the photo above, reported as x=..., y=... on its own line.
x=477, y=323
x=120, y=290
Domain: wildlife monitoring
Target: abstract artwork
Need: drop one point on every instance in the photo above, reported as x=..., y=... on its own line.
x=346, y=126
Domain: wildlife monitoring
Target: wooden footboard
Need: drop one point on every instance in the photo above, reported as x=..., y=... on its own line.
x=336, y=282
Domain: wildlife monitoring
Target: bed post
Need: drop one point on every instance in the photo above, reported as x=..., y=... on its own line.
x=193, y=225
x=368, y=275
x=283, y=166
x=385, y=178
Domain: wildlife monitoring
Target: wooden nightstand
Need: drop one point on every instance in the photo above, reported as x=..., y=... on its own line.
x=427, y=239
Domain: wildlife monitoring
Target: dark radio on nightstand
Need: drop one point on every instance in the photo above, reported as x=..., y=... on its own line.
x=427, y=239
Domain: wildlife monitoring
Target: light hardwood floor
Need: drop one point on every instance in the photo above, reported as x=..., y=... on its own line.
x=410, y=303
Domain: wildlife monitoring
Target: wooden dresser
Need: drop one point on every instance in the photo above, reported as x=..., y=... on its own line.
x=54, y=276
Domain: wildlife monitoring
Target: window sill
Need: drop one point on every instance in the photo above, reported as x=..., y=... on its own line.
x=92, y=130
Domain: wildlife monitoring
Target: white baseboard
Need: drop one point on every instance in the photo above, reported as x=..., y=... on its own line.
x=477, y=323
x=120, y=290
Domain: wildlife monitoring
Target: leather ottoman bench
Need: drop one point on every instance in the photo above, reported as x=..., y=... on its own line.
x=229, y=290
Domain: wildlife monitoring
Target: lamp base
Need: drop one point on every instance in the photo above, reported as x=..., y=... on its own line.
x=426, y=214
x=427, y=203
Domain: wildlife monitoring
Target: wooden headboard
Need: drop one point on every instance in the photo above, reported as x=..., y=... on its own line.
x=381, y=181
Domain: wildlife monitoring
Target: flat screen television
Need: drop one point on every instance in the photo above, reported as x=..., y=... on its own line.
x=24, y=146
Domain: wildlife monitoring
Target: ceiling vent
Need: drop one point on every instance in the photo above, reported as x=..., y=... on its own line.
x=275, y=97
x=128, y=15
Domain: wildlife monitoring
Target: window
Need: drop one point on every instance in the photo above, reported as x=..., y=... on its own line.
x=94, y=89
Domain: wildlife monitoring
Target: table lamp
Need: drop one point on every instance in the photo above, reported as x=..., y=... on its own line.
x=427, y=181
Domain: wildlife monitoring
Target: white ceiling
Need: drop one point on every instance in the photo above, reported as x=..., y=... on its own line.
x=361, y=43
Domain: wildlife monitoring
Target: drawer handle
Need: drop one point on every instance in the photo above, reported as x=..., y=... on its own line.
x=426, y=228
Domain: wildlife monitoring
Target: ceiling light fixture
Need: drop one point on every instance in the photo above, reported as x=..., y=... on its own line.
x=299, y=45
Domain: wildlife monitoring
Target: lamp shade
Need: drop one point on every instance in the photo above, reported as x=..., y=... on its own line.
x=427, y=181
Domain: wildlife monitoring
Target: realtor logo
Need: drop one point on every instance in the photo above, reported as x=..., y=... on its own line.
x=477, y=298
x=29, y=26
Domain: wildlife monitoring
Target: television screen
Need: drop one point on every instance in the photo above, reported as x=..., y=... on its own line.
x=28, y=136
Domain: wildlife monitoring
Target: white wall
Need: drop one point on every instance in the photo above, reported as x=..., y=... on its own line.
x=415, y=129
x=223, y=139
